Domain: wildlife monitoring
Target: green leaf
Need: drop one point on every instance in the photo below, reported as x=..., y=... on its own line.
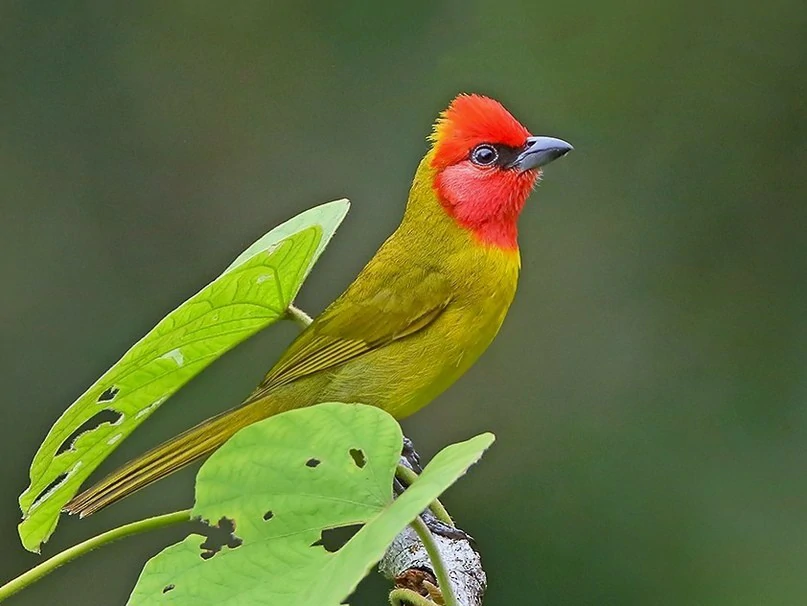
x=252, y=293
x=278, y=484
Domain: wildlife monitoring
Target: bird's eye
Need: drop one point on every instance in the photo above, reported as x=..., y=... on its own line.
x=484, y=155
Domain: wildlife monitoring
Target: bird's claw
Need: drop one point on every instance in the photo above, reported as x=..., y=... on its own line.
x=411, y=460
x=440, y=528
x=409, y=456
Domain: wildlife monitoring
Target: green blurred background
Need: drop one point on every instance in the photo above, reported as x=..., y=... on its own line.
x=648, y=388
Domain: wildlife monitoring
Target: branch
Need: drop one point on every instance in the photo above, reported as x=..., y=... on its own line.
x=429, y=568
x=51, y=564
x=445, y=585
x=407, y=559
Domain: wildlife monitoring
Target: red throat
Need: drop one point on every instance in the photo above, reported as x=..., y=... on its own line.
x=485, y=200
x=488, y=206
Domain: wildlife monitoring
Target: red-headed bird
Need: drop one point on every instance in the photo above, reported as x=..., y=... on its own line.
x=418, y=315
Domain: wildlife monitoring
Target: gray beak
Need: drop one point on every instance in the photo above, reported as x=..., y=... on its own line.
x=540, y=151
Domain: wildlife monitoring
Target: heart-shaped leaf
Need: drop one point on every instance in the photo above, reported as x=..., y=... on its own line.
x=252, y=293
x=277, y=489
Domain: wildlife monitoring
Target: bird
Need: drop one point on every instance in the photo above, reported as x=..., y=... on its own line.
x=420, y=313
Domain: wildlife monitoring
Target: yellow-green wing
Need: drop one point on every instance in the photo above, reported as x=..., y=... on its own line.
x=385, y=303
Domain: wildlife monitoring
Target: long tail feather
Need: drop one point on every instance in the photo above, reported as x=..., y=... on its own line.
x=163, y=460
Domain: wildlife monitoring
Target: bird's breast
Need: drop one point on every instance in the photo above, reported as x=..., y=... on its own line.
x=407, y=374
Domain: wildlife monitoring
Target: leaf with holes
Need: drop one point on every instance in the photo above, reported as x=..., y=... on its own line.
x=252, y=293
x=278, y=489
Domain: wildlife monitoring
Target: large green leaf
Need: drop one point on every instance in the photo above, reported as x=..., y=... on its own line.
x=278, y=484
x=252, y=293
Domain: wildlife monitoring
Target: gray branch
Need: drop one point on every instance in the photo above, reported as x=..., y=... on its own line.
x=407, y=557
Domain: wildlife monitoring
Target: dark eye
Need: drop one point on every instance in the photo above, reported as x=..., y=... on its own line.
x=484, y=155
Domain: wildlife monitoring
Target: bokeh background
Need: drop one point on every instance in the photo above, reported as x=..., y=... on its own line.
x=649, y=387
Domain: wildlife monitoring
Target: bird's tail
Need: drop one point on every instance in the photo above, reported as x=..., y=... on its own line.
x=165, y=459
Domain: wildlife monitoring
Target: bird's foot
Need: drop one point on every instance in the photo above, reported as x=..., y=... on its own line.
x=440, y=528
x=409, y=456
x=408, y=470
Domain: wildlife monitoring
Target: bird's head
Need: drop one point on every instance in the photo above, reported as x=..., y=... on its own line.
x=485, y=165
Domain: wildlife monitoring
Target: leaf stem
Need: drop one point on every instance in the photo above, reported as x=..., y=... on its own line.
x=407, y=597
x=301, y=318
x=439, y=567
x=437, y=508
x=51, y=564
